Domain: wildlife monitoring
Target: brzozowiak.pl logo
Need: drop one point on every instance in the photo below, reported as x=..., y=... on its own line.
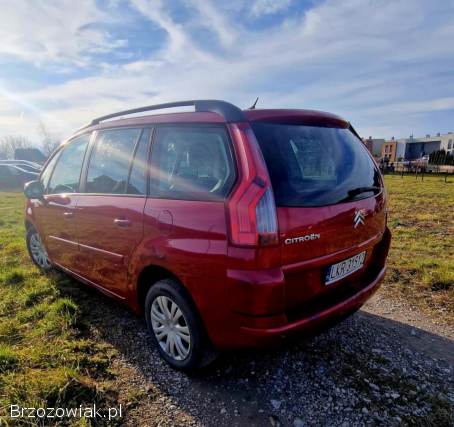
x=54, y=413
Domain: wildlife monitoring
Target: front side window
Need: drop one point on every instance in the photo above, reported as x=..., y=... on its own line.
x=191, y=163
x=315, y=166
x=66, y=174
x=47, y=172
x=108, y=169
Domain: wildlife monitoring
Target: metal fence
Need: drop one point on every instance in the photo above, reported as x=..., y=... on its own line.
x=417, y=171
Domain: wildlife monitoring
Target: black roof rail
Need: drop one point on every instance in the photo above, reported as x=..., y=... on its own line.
x=229, y=112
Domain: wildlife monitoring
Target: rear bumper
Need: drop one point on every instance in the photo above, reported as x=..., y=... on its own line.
x=314, y=323
x=258, y=309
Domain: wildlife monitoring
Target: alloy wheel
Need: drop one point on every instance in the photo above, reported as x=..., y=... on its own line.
x=170, y=328
x=38, y=251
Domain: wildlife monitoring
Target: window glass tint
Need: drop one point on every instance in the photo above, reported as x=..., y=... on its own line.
x=138, y=178
x=109, y=162
x=315, y=166
x=47, y=172
x=192, y=163
x=66, y=174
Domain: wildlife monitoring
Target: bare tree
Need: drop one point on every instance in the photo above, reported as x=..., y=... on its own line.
x=10, y=143
x=49, y=141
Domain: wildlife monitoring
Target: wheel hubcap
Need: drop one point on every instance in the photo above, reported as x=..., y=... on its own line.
x=170, y=328
x=38, y=251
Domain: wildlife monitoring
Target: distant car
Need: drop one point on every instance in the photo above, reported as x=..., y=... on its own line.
x=14, y=177
x=24, y=164
x=28, y=168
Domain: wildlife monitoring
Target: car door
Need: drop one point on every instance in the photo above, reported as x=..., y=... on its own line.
x=110, y=210
x=55, y=212
x=191, y=172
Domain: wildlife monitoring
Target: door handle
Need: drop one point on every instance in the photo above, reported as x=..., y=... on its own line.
x=121, y=222
x=68, y=214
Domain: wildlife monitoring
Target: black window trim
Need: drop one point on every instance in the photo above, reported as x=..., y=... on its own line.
x=231, y=154
x=132, y=159
x=89, y=152
x=148, y=156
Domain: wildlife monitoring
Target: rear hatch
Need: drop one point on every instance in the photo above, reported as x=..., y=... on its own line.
x=330, y=205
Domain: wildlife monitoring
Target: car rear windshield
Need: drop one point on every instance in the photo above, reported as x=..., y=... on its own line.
x=316, y=166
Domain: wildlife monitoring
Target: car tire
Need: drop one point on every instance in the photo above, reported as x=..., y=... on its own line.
x=36, y=250
x=175, y=326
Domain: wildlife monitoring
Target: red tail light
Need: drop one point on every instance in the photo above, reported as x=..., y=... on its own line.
x=251, y=208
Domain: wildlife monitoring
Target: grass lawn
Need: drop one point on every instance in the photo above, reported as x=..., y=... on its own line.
x=421, y=261
x=47, y=360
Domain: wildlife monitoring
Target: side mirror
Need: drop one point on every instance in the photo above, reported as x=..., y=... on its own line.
x=34, y=190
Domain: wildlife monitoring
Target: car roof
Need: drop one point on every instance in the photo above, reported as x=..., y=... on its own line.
x=295, y=116
x=211, y=111
x=286, y=116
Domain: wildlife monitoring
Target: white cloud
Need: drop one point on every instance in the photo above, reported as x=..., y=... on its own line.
x=428, y=105
x=212, y=18
x=54, y=31
x=268, y=7
x=154, y=10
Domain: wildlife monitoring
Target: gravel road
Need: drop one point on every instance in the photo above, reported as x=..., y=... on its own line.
x=385, y=365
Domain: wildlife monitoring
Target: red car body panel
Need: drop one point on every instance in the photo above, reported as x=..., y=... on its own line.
x=54, y=215
x=190, y=240
x=246, y=296
x=109, y=228
x=302, y=117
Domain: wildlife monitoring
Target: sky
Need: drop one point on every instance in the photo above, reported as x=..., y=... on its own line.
x=385, y=65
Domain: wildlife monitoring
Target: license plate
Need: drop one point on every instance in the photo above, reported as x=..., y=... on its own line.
x=344, y=268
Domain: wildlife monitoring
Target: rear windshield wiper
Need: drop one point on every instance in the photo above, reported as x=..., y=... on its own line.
x=359, y=190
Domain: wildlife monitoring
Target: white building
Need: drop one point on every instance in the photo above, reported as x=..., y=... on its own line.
x=447, y=142
x=414, y=148
x=400, y=149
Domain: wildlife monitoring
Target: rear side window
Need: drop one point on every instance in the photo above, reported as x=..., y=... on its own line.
x=191, y=163
x=315, y=166
x=110, y=159
x=66, y=174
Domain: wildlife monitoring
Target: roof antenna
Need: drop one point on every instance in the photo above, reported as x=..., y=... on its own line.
x=252, y=107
